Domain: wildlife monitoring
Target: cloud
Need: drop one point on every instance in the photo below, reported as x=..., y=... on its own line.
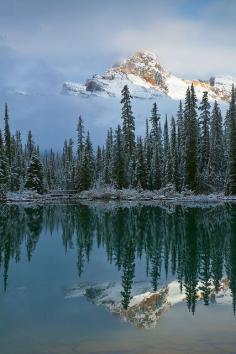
x=80, y=38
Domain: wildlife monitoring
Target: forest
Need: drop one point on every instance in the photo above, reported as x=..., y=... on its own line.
x=194, y=150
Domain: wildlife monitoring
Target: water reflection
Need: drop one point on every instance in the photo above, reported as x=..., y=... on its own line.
x=195, y=245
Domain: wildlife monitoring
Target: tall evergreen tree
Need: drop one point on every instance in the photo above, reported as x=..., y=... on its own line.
x=30, y=145
x=180, y=147
x=174, y=155
x=204, y=138
x=231, y=173
x=98, y=165
x=80, y=139
x=118, y=164
x=7, y=135
x=3, y=166
x=191, y=139
x=108, y=157
x=128, y=122
x=141, y=177
x=216, y=167
x=155, y=119
x=87, y=165
x=34, y=179
x=167, y=163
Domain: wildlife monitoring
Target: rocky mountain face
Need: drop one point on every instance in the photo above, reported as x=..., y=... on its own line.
x=146, y=307
x=147, y=78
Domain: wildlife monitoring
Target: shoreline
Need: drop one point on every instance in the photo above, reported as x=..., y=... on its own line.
x=115, y=196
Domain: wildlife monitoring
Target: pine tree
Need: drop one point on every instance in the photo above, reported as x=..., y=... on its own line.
x=128, y=122
x=191, y=139
x=167, y=163
x=3, y=166
x=87, y=166
x=216, y=167
x=80, y=139
x=231, y=173
x=98, y=165
x=29, y=146
x=7, y=135
x=18, y=163
x=148, y=153
x=155, y=119
x=34, y=178
x=174, y=155
x=79, y=151
x=204, y=138
x=108, y=157
x=68, y=165
x=141, y=177
x=180, y=147
x=118, y=164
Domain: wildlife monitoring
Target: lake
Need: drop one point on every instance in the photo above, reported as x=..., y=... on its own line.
x=73, y=278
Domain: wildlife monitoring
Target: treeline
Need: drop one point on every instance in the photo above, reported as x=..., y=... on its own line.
x=196, y=150
x=197, y=246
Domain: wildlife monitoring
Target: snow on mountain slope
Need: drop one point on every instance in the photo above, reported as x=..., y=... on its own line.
x=146, y=306
x=147, y=78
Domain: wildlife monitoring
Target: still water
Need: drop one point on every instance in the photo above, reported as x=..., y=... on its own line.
x=50, y=251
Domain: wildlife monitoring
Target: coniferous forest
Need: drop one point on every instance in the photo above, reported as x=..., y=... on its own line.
x=194, y=150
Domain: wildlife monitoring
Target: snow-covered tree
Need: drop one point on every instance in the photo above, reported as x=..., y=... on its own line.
x=119, y=173
x=34, y=178
x=216, y=166
x=231, y=172
x=191, y=139
x=204, y=137
x=128, y=122
x=87, y=166
x=141, y=175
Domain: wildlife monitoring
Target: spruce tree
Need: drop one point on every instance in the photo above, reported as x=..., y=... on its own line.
x=68, y=165
x=118, y=163
x=141, y=176
x=87, y=166
x=80, y=139
x=29, y=146
x=98, y=165
x=128, y=122
x=180, y=147
x=155, y=119
x=174, y=155
x=216, y=167
x=34, y=178
x=204, y=138
x=231, y=173
x=167, y=163
x=148, y=153
x=3, y=166
x=191, y=139
x=7, y=135
x=108, y=157
x=79, y=150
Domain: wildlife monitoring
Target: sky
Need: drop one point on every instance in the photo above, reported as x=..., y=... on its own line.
x=80, y=37
x=46, y=42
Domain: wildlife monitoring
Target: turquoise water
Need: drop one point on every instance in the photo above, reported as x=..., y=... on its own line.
x=46, y=250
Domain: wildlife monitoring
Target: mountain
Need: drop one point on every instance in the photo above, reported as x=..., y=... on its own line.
x=146, y=307
x=147, y=78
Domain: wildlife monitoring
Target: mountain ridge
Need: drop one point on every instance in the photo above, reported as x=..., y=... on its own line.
x=147, y=79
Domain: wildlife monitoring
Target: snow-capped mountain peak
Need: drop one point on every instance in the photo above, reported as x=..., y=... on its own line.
x=147, y=78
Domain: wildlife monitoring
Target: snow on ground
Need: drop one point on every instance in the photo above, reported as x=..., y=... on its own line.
x=166, y=194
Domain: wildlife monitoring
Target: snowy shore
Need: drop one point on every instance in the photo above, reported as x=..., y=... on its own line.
x=111, y=194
